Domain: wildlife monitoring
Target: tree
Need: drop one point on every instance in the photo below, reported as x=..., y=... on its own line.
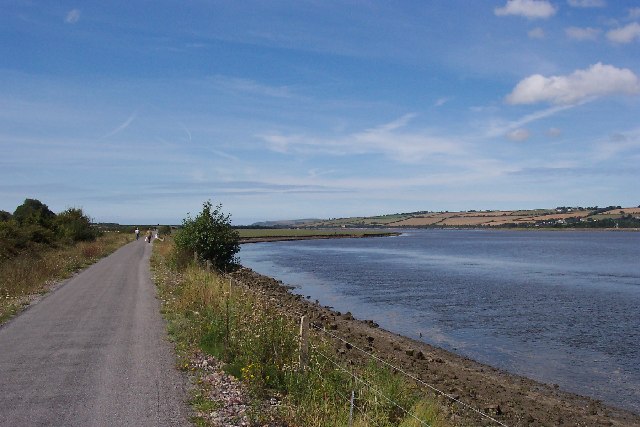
x=4, y=216
x=34, y=212
x=74, y=226
x=210, y=236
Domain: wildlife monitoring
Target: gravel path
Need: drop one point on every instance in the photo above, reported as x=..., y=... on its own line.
x=93, y=353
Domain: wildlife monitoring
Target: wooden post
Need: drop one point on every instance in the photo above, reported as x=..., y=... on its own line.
x=195, y=257
x=351, y=403
x=208, y=265
x=304, y=342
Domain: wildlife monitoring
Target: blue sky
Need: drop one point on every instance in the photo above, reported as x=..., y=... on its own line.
x=140, y=111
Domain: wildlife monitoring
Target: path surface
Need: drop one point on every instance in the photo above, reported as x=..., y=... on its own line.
x=93, y=353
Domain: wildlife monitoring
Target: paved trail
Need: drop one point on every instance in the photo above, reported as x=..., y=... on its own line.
x=93, y=353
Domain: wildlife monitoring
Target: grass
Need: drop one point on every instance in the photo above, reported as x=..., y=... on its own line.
x=33, y=273
x=258, y=344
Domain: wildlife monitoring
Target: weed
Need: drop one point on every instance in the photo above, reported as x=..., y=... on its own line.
x=259, y=345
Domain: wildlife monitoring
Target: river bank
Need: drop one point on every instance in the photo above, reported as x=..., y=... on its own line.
x=510, y=399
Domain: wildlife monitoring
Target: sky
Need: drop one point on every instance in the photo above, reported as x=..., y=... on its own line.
x=140, y=111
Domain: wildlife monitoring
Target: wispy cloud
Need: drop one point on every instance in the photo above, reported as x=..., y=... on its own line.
x=505, y=129
x=388, y=139
x=536, y=33
x=587, y=3
x=123, y=126
x=73, y=16
x=581, y=34
x=518, y=135
x=618, y=143
x=249, y=86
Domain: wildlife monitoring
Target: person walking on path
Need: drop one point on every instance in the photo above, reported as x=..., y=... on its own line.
x=149, y=236
x=137, y=233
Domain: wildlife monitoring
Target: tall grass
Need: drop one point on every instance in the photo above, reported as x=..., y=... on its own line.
x=259, y=345
x=33, y=272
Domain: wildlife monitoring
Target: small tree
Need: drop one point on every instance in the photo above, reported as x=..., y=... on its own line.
x=210, y=236
x=33, y=211
x=73, y=226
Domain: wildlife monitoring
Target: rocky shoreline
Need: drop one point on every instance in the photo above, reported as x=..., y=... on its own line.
x=463, y=385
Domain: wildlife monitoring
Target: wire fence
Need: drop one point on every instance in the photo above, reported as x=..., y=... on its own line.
x=417, y=380
x=360, y=384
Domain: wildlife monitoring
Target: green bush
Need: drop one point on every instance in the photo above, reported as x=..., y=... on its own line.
x=34, y=226
x=74, y=226
x=210, y=236
x=33, y=211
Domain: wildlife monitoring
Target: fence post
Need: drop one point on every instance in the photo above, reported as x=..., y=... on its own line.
x=304, y=342
x=208, y=265
x=195, y=257
x=351, y=408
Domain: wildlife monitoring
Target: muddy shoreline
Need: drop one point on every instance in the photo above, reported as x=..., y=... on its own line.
x=512, y=400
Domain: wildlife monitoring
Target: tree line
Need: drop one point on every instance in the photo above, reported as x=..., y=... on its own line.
x=33, y=226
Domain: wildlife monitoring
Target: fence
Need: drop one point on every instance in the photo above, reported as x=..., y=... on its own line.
x=361, y=385
x=305, y=324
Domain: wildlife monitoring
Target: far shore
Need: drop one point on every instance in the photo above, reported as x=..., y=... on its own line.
x=283, y=238
x=399, y=231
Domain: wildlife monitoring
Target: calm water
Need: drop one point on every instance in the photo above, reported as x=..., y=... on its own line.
x=559, y=307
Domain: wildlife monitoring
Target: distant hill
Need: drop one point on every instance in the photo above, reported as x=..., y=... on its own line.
x=578, y=217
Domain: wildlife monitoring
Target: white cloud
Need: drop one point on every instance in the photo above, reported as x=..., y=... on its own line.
x=72, y=17
x=625, y=34
x=634, y=13
x=596, y=81
x=587, y=3
x=536, y=33
x=581, y=34
x=387, y=139
x=531, y=9
x=519, y=135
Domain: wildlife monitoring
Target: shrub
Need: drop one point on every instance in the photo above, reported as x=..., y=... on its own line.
x=33, y=211
x=74, y=226
x=210, y=236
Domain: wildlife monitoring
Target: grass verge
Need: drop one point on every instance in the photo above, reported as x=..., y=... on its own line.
x=258, y=345
x=33, y=273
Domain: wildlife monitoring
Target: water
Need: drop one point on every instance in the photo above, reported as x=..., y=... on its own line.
x=558, y=307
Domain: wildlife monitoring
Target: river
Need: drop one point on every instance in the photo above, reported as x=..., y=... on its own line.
x=558, y=307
